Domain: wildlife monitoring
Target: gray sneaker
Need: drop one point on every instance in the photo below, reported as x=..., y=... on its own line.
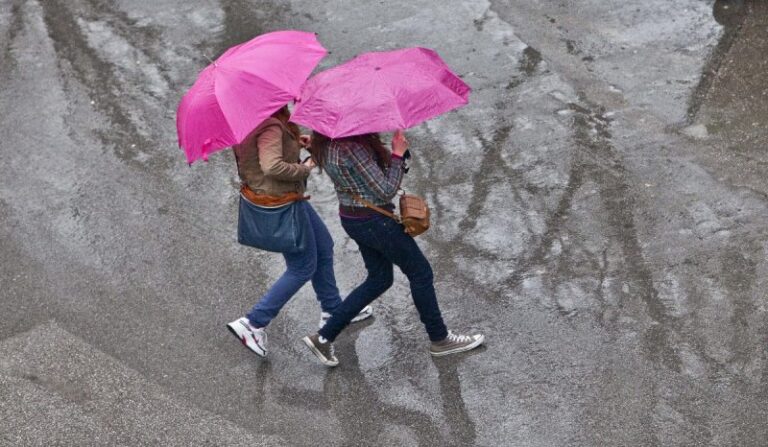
x=454, y=343
x=323, y=351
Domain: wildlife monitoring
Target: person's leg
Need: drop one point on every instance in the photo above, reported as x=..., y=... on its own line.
x=324, y=279
x=402, y=250
x=380, y=278
x=406, y=254
x=391, y=244
x=300, y=269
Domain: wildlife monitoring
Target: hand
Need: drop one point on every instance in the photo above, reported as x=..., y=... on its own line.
x=309, y=162
x=399, y=143
x=305, y=140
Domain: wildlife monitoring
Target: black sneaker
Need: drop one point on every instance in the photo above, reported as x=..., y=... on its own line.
x=323, y=351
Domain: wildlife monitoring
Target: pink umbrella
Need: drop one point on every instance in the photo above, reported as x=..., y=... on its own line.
x=379, y=92
x=242, y=88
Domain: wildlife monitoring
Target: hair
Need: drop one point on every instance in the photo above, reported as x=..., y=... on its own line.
x=284, y=114
x=371, y=141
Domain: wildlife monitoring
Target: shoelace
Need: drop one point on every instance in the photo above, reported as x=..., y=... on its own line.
x=331, y=349
x=459, y=338
x=262, y=335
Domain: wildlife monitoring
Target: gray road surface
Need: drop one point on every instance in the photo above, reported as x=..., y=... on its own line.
x=600, y=213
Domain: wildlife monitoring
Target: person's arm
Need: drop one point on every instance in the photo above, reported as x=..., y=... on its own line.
x=270, y=144
x=383, y=183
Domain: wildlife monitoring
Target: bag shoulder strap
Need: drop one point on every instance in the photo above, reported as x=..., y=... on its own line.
x=376, y=208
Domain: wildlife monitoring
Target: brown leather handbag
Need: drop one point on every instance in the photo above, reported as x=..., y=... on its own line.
x=414, y=213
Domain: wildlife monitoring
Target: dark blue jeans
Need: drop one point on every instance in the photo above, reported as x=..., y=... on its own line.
x=315, y=263
x=382, y=243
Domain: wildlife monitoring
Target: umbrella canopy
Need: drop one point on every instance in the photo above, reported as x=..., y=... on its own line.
x=242, y=88
x=379, y=92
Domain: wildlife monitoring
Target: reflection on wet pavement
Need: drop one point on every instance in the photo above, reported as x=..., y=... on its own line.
x=599, y=212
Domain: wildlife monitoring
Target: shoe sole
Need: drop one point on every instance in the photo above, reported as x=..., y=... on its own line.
x=358, y=318
x=243, y=342
x=317, y=353
x=466, y=348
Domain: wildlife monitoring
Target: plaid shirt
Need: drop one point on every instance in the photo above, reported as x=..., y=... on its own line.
x=354, y=169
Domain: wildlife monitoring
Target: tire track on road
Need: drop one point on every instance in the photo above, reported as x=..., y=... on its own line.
x=96, y=75
x=14, y=29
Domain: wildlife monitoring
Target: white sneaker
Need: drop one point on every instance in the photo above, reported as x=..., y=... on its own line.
x=365, y=313
x=251, y=337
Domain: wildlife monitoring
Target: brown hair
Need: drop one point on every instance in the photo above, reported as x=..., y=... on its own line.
x=370, y=141
x=283, y=114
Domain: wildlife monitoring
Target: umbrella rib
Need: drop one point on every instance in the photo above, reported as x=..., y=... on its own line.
x=397, y=103
x=216, y=97
x=256, y=76
x=464, y=100
x=441, y=85
x=218, y=106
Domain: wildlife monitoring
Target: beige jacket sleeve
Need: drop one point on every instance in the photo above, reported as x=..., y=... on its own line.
x=270, y=144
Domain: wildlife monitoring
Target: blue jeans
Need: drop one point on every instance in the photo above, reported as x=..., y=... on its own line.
x=315, y=263
x=383, y=243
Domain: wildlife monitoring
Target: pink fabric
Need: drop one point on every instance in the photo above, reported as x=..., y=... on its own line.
x=380, y=92
x=246, y=84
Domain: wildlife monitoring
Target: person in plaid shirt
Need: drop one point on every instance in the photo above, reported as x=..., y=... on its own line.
x=355, y=170
x=362, y=166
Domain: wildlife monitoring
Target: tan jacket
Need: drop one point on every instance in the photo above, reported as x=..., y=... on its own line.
x=268, y=160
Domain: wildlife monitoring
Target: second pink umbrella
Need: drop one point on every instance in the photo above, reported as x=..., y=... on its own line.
x=380, y=92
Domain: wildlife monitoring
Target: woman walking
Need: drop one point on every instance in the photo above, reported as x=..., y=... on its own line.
x=361, y=167
x=271, y=175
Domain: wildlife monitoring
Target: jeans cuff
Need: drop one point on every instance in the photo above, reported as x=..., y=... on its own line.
x=438, y=337
x=325, y=335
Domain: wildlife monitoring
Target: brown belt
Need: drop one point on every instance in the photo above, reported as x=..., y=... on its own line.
x=361, y=211
x=270, y=200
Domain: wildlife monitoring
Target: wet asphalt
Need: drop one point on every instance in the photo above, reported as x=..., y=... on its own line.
x=599, y=213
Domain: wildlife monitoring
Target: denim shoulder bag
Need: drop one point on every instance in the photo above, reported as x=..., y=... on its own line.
x=271, y=225
x=279, y=228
